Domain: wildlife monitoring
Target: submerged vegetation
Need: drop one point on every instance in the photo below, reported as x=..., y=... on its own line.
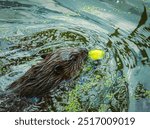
x=141, y=92
x=98, y=92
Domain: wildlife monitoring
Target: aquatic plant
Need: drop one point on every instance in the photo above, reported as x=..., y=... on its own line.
x=98, y=92
x=141, y=92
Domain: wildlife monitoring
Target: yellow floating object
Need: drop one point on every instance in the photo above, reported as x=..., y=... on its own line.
x=96, y=54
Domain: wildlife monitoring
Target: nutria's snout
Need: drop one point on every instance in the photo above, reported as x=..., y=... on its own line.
x=61, y=64
x=84, y=52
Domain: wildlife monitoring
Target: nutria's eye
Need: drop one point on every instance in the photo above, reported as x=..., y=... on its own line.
x=58, y=69
x=74, y=57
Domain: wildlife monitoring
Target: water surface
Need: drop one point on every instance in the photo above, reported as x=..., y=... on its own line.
x=119, y=82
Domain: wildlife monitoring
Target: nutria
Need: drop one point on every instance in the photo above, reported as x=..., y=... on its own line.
x=48, y=74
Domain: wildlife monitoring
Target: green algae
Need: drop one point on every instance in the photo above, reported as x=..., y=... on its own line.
x=73, y=103
x=98, y=92
x=141, y=92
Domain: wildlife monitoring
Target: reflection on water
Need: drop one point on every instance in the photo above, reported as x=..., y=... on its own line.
x=119, y=82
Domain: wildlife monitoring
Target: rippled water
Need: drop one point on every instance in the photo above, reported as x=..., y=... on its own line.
x=119, y=82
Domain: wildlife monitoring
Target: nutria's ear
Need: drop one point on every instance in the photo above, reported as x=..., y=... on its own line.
x=44, y=56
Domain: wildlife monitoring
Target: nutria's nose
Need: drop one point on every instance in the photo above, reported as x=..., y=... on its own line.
x=84, y=50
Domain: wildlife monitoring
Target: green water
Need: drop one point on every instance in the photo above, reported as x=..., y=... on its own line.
x=118, y=82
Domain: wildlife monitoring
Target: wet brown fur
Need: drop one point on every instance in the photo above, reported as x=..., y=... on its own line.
x=46, y=75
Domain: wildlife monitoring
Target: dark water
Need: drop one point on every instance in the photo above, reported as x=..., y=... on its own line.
x=119, y=82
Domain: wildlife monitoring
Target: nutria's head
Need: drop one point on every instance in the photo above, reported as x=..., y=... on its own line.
x=57, y=66
x=65, y=62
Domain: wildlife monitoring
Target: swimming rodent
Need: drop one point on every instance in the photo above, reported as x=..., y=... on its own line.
x=46, y=75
